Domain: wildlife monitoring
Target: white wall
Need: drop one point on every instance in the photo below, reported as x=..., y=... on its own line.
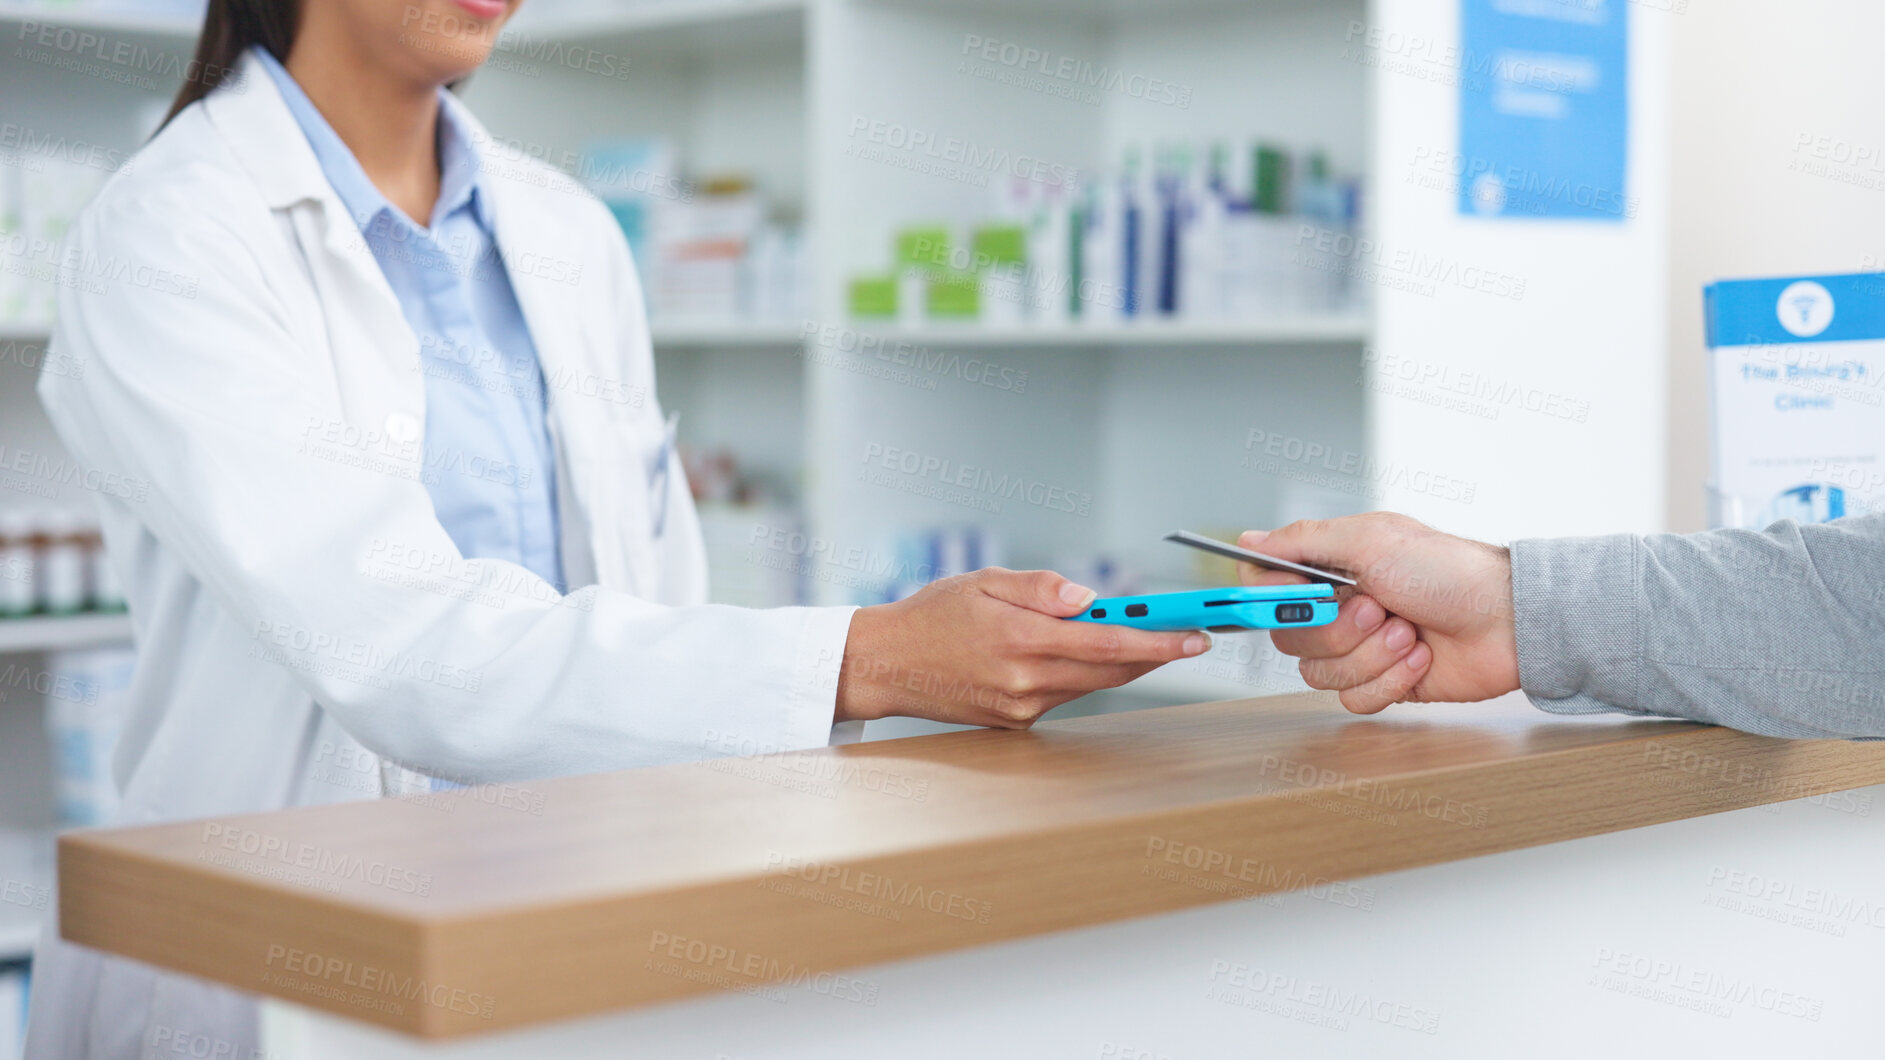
x=1589, y=327
x=1272, y=69
x=1756, y=85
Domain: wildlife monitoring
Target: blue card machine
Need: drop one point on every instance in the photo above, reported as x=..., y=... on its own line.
x=1235, y=608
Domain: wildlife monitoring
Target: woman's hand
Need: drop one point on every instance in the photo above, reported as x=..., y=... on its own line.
x=991, y=648
x=1431, y=619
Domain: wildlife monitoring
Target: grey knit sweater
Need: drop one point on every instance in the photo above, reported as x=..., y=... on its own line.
x=1779, y=632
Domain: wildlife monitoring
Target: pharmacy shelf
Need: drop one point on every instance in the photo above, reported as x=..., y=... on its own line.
x=683, y=334
x=19, y=929
x=677, y=334
x=1273, y=331
x=693, y=334
x=44, y=633
x=661, y=25
x=180, y=28
x=1092, y=9
x=651, y=25
x=25, y=863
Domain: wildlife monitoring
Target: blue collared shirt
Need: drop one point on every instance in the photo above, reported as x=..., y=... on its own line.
x=488, y=461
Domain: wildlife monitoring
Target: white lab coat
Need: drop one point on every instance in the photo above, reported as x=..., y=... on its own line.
x=246, y=399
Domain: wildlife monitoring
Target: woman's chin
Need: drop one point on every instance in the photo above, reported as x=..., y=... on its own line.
x=443, y=60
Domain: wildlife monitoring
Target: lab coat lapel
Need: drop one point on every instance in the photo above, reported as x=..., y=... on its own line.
x=602, y=479
x=573, y=327
x=376, y=353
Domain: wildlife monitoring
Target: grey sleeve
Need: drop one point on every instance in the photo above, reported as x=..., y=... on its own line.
x=1779, y=632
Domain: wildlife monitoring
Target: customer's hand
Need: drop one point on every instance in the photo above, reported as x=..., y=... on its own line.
x=991, y=648
x=1430, y=621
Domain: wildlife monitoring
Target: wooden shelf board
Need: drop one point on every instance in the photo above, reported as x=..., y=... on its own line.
x=48, y=633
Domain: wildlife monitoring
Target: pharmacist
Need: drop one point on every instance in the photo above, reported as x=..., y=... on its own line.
x=411, y=498
x=1779, y=632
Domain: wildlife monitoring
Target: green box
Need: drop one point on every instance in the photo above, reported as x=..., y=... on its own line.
x=874, y=296
x=924, y=247
x=1270, y=174
x=1000, y=245
x=955, y=295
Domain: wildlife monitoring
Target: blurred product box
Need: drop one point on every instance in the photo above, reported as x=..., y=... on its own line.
x=40, y=196
x=706, y=251
x=1797, y=398
x=634, y=179
x=87, y=695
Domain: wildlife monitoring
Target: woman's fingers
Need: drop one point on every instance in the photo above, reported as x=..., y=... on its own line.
x=1097, y=642
x=1023, y=700
x=1394, y=686
x=1073, y=679
x=1037, y=590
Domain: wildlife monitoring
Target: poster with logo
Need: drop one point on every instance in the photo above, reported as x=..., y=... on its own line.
x=1544, y=109
x=1796, y=398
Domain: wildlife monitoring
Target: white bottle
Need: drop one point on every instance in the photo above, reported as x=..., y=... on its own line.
x=1201, y=253
x=107, y=592
x=1319, y=203
x=62, y=563
x=912, y=296
x=18, y=566
x=1005, y=290
x=1050, y=267
x=1243, y=273
x=1102, y=295
x=1141, y=232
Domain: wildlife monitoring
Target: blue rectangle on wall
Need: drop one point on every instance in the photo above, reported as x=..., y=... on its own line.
x=1544, y=109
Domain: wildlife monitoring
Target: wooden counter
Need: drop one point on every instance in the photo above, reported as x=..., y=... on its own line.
x=495, y=907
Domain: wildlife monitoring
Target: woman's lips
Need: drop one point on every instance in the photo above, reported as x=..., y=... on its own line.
x=484, y=10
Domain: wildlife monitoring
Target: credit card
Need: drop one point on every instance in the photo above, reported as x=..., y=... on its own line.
x=1216, y=547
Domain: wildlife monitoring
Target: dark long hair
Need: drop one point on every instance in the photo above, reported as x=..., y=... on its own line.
x=229, y=27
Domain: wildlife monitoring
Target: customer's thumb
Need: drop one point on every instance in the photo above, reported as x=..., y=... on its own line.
x=1338, y=545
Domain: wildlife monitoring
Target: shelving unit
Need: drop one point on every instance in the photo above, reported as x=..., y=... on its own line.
x=1152, y=420
x=118, y=23
x=1332, y=329
x=696, y=334
x=47, y=633
x=1252, y=334
x=775, y=88
x=18, y=932
x=74, y=78
x=26, y=872
x=660, y=24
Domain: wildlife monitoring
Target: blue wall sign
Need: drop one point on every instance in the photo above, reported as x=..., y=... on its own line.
x=1544, y=109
